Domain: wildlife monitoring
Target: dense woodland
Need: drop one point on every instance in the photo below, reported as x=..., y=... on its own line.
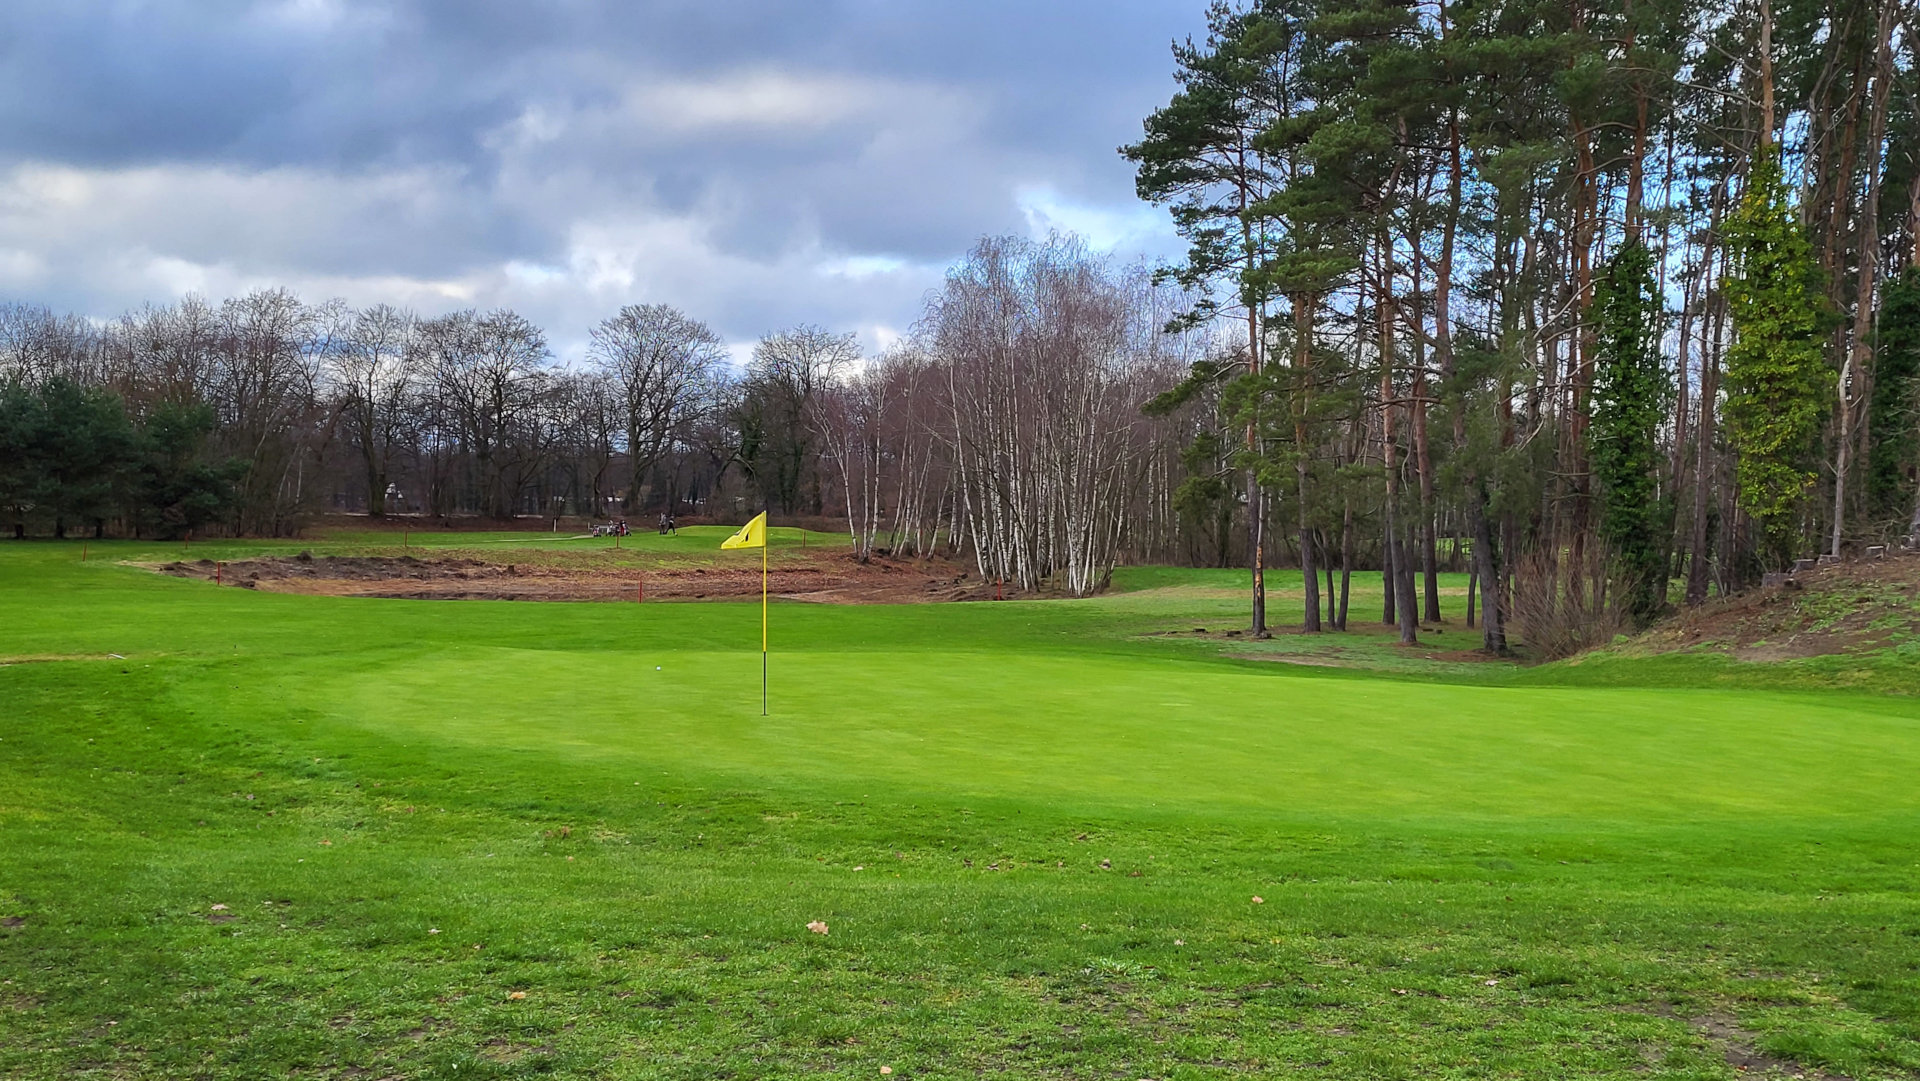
x=1612, y=305
x=1624, y=292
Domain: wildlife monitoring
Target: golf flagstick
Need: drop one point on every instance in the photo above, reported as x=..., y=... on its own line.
x=754, y=535
x=763, y=630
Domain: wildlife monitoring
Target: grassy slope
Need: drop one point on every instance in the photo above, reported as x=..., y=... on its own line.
x=588, y=794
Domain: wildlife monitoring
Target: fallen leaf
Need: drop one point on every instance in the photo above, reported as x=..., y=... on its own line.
x=1259, y=900
x=518, y=994
x=886, y=1070
x=219, y=908
x=1179, y=941
x=818, y=927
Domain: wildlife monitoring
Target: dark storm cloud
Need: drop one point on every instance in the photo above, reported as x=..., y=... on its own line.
x=561, y=156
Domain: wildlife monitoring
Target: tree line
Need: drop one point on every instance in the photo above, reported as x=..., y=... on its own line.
x=1618, y=296
x=1007, y=428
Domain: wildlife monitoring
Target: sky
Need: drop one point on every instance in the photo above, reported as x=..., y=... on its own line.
x=757, y=163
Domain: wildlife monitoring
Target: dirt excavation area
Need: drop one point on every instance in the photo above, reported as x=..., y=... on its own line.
x=827, y=578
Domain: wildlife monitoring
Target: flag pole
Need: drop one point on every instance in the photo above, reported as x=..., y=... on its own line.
x=764, y=541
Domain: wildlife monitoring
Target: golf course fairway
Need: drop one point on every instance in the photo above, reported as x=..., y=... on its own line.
x=248, y=834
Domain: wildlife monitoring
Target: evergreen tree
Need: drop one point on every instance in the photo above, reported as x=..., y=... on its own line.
x=173, y=487
x=1779, y=386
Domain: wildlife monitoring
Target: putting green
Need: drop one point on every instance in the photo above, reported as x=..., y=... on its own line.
x=1104, y=734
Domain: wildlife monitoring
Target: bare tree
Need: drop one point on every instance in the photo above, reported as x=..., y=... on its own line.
x=378, y=370
x=662, y=361
x=789, y=370
x=488, y=372
x=1045, y=378
x=849, y=417
x=267, y=354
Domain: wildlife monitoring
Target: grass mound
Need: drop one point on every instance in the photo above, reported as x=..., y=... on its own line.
x=1847, y=625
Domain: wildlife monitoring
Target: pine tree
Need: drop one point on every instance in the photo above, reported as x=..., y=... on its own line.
x=1198, y=157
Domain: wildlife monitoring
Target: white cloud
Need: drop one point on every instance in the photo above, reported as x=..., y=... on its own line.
x=767, y=100
x=160, y=232
x=1127, y=229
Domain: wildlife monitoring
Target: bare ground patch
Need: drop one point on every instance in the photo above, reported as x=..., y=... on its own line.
x=1735, y=1045
x=1855, y=607
x=835, y=579
x=1311, y=660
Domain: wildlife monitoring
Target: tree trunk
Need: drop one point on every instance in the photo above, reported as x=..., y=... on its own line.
x=1389, y=611
x=1487, y=572
x=1423, y=462
x=1256, y=509
x=1346, y=561
x=1697, y=573
x=1332, y=615
x=1399, y=573
x=1303, y=359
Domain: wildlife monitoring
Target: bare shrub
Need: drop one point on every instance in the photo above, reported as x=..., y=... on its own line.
x=1562, y=604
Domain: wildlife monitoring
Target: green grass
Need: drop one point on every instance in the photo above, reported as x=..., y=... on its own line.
x=1034, y=830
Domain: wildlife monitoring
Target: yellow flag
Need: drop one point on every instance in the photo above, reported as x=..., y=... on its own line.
x=751, y=535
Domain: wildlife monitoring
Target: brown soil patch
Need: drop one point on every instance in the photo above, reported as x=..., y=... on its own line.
x=1854, y=607
x=1735, y=1045
x=1466, y=656
x=836, y=579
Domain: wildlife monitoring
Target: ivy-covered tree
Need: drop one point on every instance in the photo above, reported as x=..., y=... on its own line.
x=1779, y=386
x=1631, y=391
